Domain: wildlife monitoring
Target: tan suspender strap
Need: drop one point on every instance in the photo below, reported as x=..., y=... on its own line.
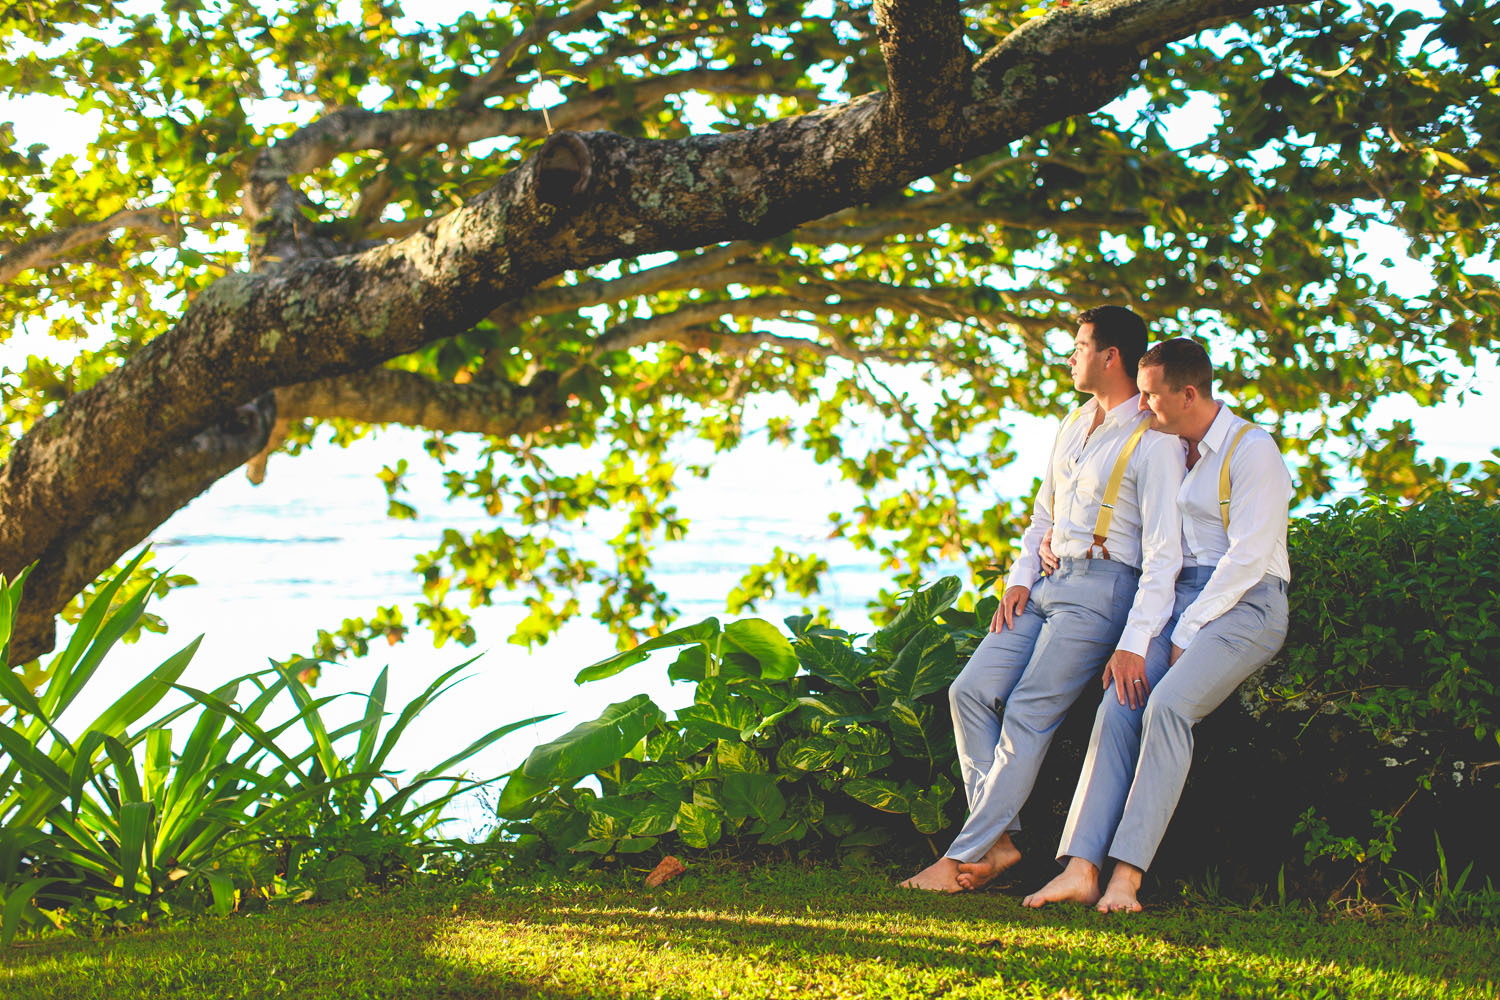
x=1224, y=474
x=1112, y=491
x=1052, y=504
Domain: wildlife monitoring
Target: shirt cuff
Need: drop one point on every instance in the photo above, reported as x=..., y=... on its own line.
x=1134, y=640
x=1021, y=576
x=1184, y=633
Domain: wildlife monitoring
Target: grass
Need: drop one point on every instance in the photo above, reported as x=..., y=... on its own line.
x=774, y=932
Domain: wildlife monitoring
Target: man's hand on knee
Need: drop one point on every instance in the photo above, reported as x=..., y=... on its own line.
x=1127, y=672
x=1011, y=606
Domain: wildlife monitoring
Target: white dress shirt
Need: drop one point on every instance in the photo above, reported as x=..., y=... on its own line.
x=1146, y=530
x=1260, y=494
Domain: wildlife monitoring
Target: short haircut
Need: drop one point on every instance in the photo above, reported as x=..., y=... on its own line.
x=1183, y=362
x=1120, y=328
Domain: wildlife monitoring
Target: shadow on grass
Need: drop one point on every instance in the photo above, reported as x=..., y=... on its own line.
x=832, y=936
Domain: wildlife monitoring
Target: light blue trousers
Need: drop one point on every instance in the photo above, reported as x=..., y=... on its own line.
x=1138, y=759
x=1010, y=697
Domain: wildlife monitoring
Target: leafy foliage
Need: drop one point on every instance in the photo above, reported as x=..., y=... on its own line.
x=1392, y=668
x=930, y=315
x=126, y=822
x=850, y=752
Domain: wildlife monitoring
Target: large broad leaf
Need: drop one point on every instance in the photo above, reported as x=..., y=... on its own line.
x=920, y=609
x=721, y=714
x=864, y=750
x=690, y=666
x=878, y=793
x=734, y=756
x=758, y=647
x=908, y=730
x=752, y=795
x=833, y=661
x=816, y=753
x=594, y=745
x=658, y=779
x=927, y=663
x=783, y=830
x=927, y=807
x=703, y=632
x=657, y=817
x=698, y=826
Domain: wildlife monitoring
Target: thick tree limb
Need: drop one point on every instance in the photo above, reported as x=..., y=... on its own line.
x=381, y=396
x=927, y=68
x=74, y=559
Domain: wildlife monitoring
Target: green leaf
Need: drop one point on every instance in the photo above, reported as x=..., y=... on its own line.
x=222, y=889
x=878, y=793
x=723, y=719
x=698, y=826
x=136, y=820
x=16, y=899
x=703, y=632
x=926, y=664
x=815, y=754
x=660, y=780
x=734, y=756
x=833, y=661
x=751, y=795
x=594, y=746
x=756, y=643
x=656, y=817
x=783, y=830
x=918, y=610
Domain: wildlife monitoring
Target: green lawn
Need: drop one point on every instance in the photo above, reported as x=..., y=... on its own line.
x=779, y=932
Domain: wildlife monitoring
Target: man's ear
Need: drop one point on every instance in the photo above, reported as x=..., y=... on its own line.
x=1190, y=394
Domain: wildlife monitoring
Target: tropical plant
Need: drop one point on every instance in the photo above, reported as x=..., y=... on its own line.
x=811, y=738
x=124, y=822
x=629, y=224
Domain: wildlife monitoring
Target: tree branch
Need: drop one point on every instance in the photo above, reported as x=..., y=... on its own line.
x=49, y=249
x=927, y=68
x=485, y=85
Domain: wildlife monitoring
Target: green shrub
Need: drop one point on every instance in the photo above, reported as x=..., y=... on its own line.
x=1384, y=704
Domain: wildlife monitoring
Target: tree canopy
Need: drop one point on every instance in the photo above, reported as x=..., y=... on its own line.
x=621, y=225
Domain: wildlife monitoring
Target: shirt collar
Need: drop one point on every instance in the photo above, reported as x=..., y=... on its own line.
x=1219, y=429
x=1124, y=412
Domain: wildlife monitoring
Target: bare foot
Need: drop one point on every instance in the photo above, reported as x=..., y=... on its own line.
x=1078, y=883
x=940, y=876
x=1120, y=895
x=978, y=874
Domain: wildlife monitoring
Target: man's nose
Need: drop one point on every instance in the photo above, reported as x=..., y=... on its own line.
x=1144, y=406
